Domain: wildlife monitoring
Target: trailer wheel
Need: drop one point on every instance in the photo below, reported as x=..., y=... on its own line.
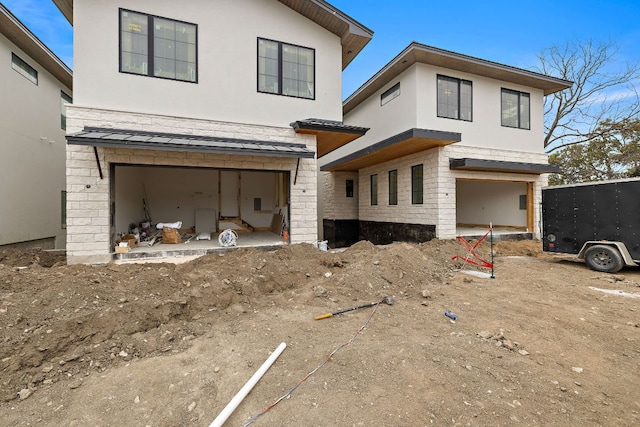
x=603, y=258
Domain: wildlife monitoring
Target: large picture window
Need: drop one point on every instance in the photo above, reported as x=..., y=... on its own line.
x=516, y=110
x=286, y=69
x=416, y=185
x=454, y=98
x=158, y=47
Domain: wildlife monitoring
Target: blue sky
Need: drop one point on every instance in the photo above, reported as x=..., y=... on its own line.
x=509, y=32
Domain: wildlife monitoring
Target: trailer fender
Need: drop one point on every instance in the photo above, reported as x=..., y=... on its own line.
x=621, y=247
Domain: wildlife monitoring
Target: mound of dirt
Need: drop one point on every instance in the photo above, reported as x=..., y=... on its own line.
x=167, y=344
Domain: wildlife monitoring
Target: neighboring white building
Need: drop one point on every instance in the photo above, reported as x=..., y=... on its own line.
x=202, y=106
x=35, y=86
x=455, y=142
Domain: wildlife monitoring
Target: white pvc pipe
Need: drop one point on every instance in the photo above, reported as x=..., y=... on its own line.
x=237, y=399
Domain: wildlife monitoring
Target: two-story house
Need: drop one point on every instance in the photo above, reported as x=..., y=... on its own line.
x=36, y=86
x=456, y=143
x=210, y=108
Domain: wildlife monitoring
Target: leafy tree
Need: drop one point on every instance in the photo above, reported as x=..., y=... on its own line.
x=615, y=154
x=602, y=95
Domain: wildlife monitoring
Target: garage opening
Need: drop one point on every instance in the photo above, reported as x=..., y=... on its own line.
x=199, y=203
x=507, y=205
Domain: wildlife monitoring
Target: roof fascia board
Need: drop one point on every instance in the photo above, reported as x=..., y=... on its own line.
x=66, y=8
x=416, y=53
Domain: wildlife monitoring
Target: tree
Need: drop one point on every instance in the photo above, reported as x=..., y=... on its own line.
x=601, y=93
x=614, y=154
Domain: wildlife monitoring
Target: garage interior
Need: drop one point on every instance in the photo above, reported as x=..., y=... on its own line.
x=203, y=202
x=507, y=205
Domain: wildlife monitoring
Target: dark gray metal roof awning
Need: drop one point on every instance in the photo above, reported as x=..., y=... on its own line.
x=330, y=134
x=403, y=144
x=118, y=138
x=501, y=166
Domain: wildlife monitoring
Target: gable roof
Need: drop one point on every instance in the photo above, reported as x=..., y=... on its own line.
x=420, y=53
x=18, y=34
x=353, y=35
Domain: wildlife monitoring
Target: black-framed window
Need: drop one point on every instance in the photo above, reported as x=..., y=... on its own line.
x=63, y=209
x=23, y=68
x=516, y=109
x=286, y=69
x=391, y=93
x=349, y=187
x=64, y=99
x=158, y=47
x=374, y=190
x=454, y=98
x=417, y=185
x=393, y=187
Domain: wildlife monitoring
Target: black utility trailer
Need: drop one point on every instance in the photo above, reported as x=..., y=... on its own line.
x=597, y=221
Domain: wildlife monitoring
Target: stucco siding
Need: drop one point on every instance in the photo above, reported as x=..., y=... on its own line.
x=227, y=63
x=33, y=154
x=485, y=130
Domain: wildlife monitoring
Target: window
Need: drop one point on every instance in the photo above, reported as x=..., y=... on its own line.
x=390, y=94
x=523, y=202
x=416, y=185
x=374, y=190
x=393, y=187
x=454, y=98
x=285, y=69
x=64, y=99
x=63, y=209
x=158, y=47
x=515, y=109
x=349, y=188
x=23, y=68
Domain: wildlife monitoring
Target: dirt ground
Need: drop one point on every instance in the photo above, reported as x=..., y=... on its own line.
x=541, y=343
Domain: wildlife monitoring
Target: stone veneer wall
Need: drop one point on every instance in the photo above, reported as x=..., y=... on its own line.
x=336, y=204
x=439, y=204
x=88, y=204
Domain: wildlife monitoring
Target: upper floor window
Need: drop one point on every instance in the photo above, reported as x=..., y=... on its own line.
x=64, y=99
x=516, y=111
x=416, y=185
x=454, y=98
x=390, y=94
x=286, y=69
x=158, y=47
x=23, y=68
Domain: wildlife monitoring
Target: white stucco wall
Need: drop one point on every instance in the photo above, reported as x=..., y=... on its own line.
x=89, y=232
x=32, y=159
x=227, y=62
x=486, y=129
x=416, y=107
x=383, y=121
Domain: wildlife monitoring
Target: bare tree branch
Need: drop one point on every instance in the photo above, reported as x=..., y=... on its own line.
x=601, y=92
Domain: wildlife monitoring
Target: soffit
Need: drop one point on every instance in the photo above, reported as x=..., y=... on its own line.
x=406, y=143
x=423, y=54
x=330, y=134
x=18, y=34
